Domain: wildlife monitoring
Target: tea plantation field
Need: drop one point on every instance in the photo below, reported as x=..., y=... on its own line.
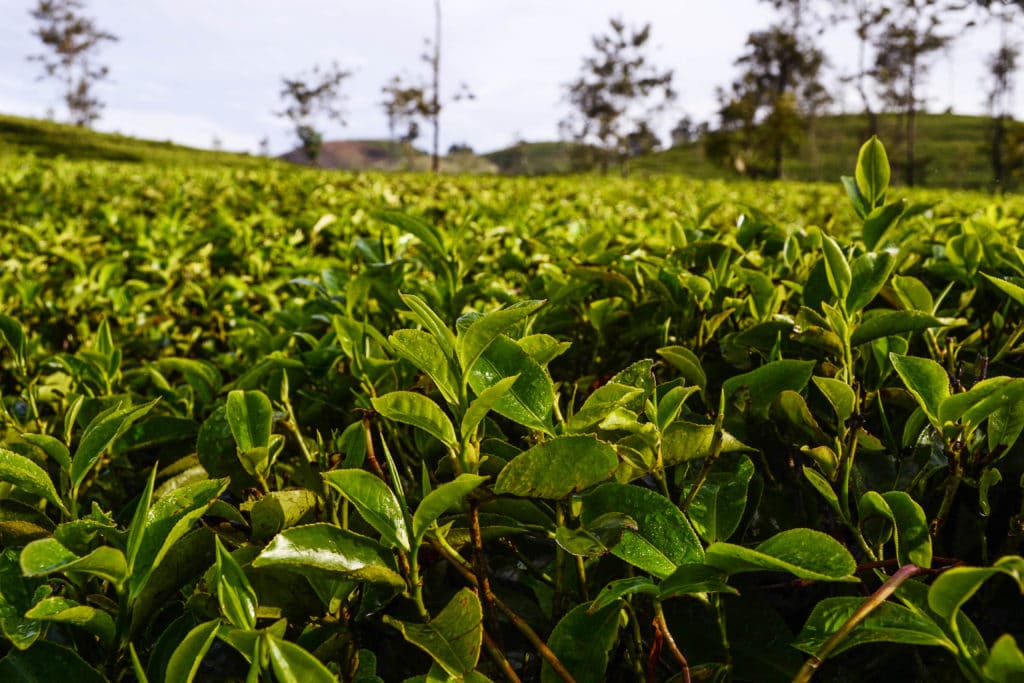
x=275, y=424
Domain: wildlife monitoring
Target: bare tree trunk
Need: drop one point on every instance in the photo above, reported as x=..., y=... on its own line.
x=435, y=159
x=911, y=125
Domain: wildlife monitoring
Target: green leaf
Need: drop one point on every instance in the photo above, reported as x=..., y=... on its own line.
x=686, y=362
x=316, y=549
x=718, y=507
x=419, y=411
x=483, y=404
x=685, y=441
x=878, y=221
x=440, y=500
x=872, y=172
x=13, y=336
x=375, y=501
x=47, y=556
x=99, y=435
x=47, y=662
x=557, y=467
x=235, y=594
x=423, y=351
x=663, y=540
x=202, y=376
x=599, y=404
x=279, y=510
x=29, y=477
x=913, y=542
x=293, y=664
x=433, y=324
x=167, y=521
x=822, y=486
x=64, y=611
x=839, y=394
x=690, y=579
x=955, y=586
x=138, y=524
x=878, y=324
x=926, y=380
x=472, y=342
x=251, y=417
x=582, y=641
x=620, y=588
x=531, y=399
x=860, y=206
x=804, y=553
x=837, y=269
x=416, y=226
x=54, y=448
x=1012, y=290
x=886, y=623
x=453, y=637
x=670, y=404
x=869, y=273
x=17, y=595
x=184, y=663
x=768, y=381
x=594, y=539
x=1005, y=664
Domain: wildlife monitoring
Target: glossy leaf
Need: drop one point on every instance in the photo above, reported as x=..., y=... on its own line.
x=837, y=268
x=690, y=579
x=955, y=586
x=54, y=448
x=872, y=173
x=599, y=404
x=251, y=418
x=686, y=362
x=926, y=380
x=718, y=507
x=620, y=588
x=889, y=323
x=375, y=501
x=167, y=521
x=1005, y=664
x=47, y=556
x=445, y=497
x=64, y=611
x=557, y=467
x=530, y=400
x=29, y=477
x=293, y=664
x=184, y=662
x=474, y=340
x=483, y=404
x=46, y=662
x=234, y=592
x=804, y=553
x=768, y=381
x=886, y=623
x=582, y=640
x=452, y=637
x=431, y=322
x=869, y=272
x=316, y=549
x=101, y=433
x=839, y=395
x=879, y=220
x=419, y=411
x=423, y=351
x=663, y=540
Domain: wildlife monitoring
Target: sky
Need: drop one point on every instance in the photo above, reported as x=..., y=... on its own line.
x=196, y=71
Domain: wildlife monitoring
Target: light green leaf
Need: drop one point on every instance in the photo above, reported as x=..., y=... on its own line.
x=768, y=381
x=878, y=324
x=483, y=404
x=599, y=404
x=47, y=556
x=837, y=269
x=718, y=507
x=926, y=380
x=440, y=500
x=29, y=477
x=234, y=592
x=375, y=501
x=293, y=664
x=472, y=343
x=64, y=611
x=804, y=553
x=839, y=394
x=433, y=324
x=955, y=586
x=251, y=417
x=423, y=351
x=1005, y=664
x=872, y=171
x=100, y=434
x=186, y=658
x=869, y=272
x=530, y=400
x=419, y=411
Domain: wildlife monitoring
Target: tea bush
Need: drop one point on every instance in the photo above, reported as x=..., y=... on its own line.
x=273, y=425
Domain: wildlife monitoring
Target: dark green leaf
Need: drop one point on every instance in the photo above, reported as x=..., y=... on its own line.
x=582, y=641
x=184, y=663
x=557, y=467
x=64, y=611
x=620, y=588
x=293, y=664
x=888, y=323
x=531, y=399
x=768, y=381
x=101, y=433
x=47, y=662
x=869, y=273
x=234, y=592
x=694, y=578
x=718, y=507
x=453, y=637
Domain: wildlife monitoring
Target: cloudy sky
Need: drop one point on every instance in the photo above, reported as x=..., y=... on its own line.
x=195, y=70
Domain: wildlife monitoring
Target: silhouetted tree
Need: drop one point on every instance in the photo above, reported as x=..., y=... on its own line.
x=71, y=40
x=309, y=96
x=1002, y=67
x=867, y=18
x=616, y=95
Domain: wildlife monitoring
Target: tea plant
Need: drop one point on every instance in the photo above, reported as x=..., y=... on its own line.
x=271, y=426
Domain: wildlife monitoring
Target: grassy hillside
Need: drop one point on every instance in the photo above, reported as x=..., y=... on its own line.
x=48, y=139
x=387, y=155
x=952, y=151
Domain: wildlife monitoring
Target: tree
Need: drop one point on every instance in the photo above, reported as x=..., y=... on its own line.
x=766, y=111
x=616, y=95
x=71, y=41
x=405, y=104
x=911, y=35
x=867, y=17
x=1002, y=67
x=309, y=96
